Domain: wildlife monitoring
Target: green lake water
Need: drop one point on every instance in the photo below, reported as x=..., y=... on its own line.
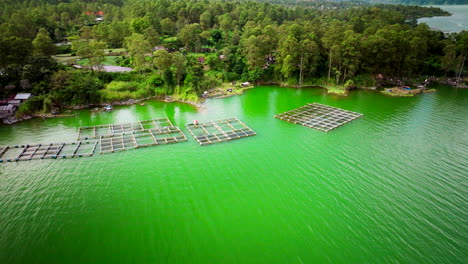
x=389, y=187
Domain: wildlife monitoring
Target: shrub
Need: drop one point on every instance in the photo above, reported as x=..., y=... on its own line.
x=42, y=103
x=80, y=88
x=122, y=86
x=119, y=91
x=349, y=84
x=364, y=80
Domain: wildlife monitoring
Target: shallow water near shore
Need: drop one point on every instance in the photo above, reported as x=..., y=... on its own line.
x=388, y=187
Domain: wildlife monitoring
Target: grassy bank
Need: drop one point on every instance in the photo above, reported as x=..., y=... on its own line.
x=398, y=92
x=336, y=89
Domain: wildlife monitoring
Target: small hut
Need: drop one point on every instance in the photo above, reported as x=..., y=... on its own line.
x=22, y=96
x=7, y=110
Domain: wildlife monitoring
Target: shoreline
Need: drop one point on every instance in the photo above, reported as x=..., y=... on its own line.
x=224, y=92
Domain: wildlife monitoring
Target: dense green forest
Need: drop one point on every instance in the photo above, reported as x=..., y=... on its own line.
x=183, y=48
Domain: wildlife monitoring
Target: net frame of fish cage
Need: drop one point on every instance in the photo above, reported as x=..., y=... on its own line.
x=89, y=132
x=139, y=139
x=149, y=133
x=48, y=151
x=218, y=131
x=319, y=116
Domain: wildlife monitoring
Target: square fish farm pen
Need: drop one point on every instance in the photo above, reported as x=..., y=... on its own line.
x=319, y=116
x=124, y=128
x=48, y=151
x=138, y=139
x=219, y=131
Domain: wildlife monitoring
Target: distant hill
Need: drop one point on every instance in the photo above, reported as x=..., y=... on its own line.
x=421, y=2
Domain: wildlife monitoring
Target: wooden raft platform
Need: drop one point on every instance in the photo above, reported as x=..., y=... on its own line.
x=319, y=116
x=219, y=131
x=125, y=128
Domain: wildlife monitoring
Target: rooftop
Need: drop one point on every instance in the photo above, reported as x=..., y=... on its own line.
x=22, y=96
x=6, y=108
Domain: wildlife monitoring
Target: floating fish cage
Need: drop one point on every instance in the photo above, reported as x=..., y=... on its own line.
x=48, y=151
x=125, y=128
x=219, y=131
x=319, y=116
x=143, y=138
x=104, y=139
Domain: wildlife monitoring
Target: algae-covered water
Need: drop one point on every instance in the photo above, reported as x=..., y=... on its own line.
x=389, y=187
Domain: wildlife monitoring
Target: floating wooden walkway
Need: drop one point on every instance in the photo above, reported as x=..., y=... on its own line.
x=116, y=129
x=121, y=137
x=219, y=131
x=319, y=116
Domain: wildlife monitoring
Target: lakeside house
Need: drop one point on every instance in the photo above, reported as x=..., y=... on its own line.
x=22, y=97
x=14, y=102
x=9, y=107
x=7, y=110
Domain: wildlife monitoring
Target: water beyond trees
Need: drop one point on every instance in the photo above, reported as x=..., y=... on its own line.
x=457, y=22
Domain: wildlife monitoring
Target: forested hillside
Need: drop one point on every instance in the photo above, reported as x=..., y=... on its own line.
x=183, y=48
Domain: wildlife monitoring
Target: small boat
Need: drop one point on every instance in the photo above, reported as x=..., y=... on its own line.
x=108, y=108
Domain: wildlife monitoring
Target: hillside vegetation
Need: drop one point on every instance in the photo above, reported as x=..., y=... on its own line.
x=183, y=48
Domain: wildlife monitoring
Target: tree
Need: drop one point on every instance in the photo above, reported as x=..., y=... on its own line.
x=269, y=39
x=449, y=61
x=309, y=55
x=179, y=61
x=118, y=31
x=97, y=54
x=162, y=60
x=226, y=24
x=152, y=36
x=189, y=35
x=167, y=26
x=206, y=20
x=254, y=52
x=350, y=48
x=14, y=51
x=288, y=67
x=137, y=46
x=38, y=68
x=214, y=62
x=462, y=50
x=331, y=41
x=139, y=25
x=80, y=47
x=83, y=89
x=43, y=44
x=89, y=49
x=86, y=33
